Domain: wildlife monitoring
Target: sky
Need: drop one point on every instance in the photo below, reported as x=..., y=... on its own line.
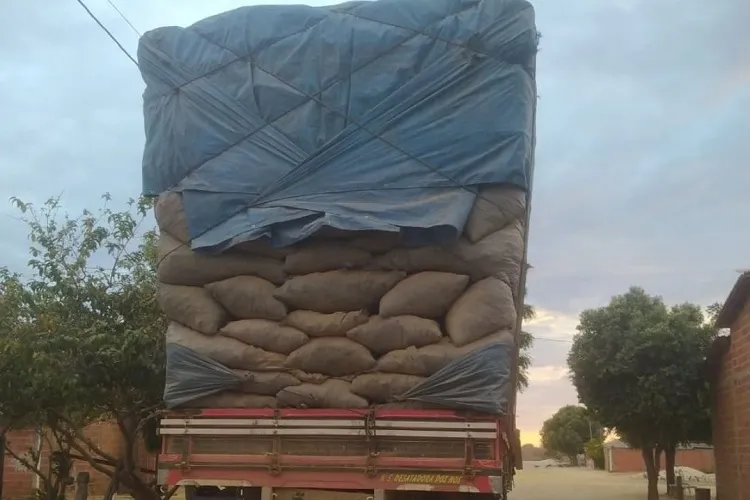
x=642, y=169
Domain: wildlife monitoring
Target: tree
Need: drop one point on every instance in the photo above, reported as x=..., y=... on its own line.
x=525, y=343
x=638, y=366
x=568, y=430
x=83, y=339
x=713, y=311
x=531, y=453
x=594, y=448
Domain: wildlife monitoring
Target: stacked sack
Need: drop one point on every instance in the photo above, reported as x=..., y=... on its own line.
x=345, y=319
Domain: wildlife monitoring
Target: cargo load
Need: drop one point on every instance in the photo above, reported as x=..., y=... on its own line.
x=343, y=202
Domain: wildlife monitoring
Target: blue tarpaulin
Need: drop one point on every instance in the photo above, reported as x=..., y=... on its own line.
x=276, y=121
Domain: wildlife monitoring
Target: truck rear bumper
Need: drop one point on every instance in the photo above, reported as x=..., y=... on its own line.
x=406, y=450
x=326, y=480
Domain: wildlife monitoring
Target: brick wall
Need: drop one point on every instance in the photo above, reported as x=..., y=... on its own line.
x=19, y=483
x=732, y=414
x=629, y=460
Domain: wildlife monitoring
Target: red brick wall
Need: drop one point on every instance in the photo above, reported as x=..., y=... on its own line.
x=732, y=415
x=628, y=460
x=19, y=483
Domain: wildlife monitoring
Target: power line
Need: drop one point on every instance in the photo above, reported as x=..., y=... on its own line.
x=91, y=14
x=547, y=339
x=124, y=18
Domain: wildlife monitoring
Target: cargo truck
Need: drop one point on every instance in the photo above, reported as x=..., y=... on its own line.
x=274, y=124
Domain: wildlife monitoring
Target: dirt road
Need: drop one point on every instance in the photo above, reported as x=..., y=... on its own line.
x=577, y=484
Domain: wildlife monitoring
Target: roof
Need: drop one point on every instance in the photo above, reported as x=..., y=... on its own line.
x=618, y=444
x=615, y=444
x=736, y=300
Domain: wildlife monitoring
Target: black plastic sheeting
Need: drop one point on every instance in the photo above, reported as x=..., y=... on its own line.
x=480, y=381
x=191, y=376
x=278, y=121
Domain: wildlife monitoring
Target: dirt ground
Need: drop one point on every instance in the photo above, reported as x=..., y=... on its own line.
x=570, y=483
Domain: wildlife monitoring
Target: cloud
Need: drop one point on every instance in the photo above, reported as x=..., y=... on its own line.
x=544, y=375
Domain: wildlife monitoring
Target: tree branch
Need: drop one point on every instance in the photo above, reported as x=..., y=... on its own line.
x=26, y=463
x=76, y=435
x=104, y=462
x=129, y=445
x=93, y=461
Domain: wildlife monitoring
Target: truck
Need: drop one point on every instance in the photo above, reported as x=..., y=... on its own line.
x=424, y=109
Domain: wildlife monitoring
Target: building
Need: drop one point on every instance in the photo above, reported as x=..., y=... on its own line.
x=729, y=364
x=619, y=457
x=19, y=483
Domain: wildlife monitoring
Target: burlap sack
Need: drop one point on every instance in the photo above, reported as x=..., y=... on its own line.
x=495, y=207
x=317, y=324
x=248, y=297
x=332, y=356
x=411, y=405
x=229, y=352
x=375, y=242
x=179, y=265
x=398, y=332
x=317, y=378
x=499, y=254
x=191, y=306
x=425, y=361
x=384, y=387
x=265, y=383
x=309, y=378
x=321, y=257
x=428, y=294
x=418, y=259
x=335, y=291
x=268, y=335
x=229, y=399
x=330, y=394
x=262, y=248
x=486, y=307
x=170, y=216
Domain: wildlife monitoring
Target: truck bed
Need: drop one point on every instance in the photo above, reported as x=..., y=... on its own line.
x=362, y=450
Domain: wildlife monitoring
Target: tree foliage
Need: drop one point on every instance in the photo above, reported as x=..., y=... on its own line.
x=568, y=430
x=525, y=343
x=638, y=366
x=713, y=310
x=594, y=449
x=82, y=335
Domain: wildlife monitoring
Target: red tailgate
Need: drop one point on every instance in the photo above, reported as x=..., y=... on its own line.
x=345, y=449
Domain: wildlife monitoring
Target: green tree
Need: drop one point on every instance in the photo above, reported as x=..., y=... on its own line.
x=638, y=366
x=568, y=430
x=83, y=339
x=525, y=343
x=594, y=448
x=713, y=311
